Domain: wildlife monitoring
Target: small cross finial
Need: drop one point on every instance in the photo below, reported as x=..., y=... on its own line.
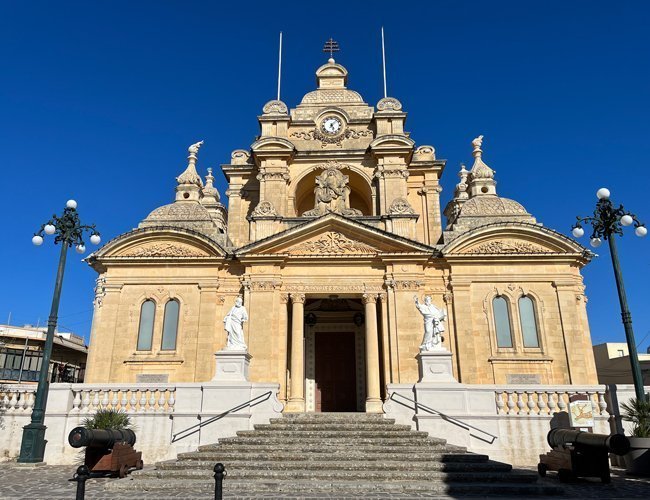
x=331, y=46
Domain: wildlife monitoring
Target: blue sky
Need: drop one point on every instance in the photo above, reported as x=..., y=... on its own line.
x=99, y=101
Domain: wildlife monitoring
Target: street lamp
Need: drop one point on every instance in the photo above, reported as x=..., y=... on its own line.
x=68, y=231
x=606, y=222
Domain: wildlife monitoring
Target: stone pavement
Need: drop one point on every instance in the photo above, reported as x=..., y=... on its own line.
x=51, y=483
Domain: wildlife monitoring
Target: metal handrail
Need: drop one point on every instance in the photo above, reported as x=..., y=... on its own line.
x=197, y=427
x=449, y=419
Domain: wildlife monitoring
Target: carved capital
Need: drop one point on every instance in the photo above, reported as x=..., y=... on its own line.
x=382, y=298
x=284, y=298
x=448, y=297
x=369, y=298
x=298, y=298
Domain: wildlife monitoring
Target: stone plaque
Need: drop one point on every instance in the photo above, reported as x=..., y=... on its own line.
x=152, y=378
x=523, y=378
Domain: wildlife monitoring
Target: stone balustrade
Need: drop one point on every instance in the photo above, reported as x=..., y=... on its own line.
x=17, y=398
x=532, y=400
x=133, y=398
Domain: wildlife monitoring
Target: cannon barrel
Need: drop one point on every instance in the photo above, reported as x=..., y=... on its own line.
x=100, y=438
x=614, y=443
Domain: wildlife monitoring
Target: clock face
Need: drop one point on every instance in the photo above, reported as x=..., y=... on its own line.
x=331, y=125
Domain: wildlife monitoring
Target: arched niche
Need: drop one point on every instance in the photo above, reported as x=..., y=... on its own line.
x=360, y=190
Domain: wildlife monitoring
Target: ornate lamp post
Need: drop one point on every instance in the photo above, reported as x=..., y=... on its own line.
x=606, y=222
x=68, y=231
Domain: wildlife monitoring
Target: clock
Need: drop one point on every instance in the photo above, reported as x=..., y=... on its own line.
x=331, y=125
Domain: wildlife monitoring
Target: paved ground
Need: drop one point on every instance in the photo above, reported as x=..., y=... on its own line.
x=51, y=483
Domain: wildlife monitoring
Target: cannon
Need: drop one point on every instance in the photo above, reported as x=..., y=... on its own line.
x=581, y=454
x=108, y=451
x=100, y=438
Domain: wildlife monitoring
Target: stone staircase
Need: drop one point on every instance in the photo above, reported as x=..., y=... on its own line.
x=338, y=455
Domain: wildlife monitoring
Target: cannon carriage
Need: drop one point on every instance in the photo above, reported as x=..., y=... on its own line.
x=108, y=451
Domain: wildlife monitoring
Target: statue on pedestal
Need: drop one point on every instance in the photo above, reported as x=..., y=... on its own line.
x=332, y=194
x=433, y=324
x=233, y=323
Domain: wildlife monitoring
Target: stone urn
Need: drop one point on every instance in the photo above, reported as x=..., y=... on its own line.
x=637, y=460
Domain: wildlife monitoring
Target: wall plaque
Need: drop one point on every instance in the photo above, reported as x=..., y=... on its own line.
x=152, y=378
x=523, y=378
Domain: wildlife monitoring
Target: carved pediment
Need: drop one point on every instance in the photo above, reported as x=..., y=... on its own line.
x=332, y=243
x=164, y=249
x=507, y=247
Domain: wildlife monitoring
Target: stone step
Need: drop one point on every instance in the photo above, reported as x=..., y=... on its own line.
x=320, y=475
x=356, y=417
x=344, y=442
x=331, y=426
x=245, y=463
x=364, y=453
x=353, y=489
x=342, y=434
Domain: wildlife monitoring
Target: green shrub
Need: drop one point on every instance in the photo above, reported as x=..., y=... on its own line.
x=108, y=419
x=637, y=411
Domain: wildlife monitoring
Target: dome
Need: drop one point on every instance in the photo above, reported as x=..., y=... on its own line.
x=322, y=96
x=492, y=206
x=179, y=212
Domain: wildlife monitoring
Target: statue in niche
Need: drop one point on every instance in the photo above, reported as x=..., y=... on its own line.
x=332, y=194
x=233, y=323
x=433, y=324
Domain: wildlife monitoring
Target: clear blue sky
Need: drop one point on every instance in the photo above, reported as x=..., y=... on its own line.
x=99, y=101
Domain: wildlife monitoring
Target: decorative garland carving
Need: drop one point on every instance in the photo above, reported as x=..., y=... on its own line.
x=317, y=135
x=333, y=243
x=400, y=206
x=507, y=247
x=264, y=286
x=264, y=209
x=316, y=288
x=164, y=250
x=383, y=173
x=392, y=284
x=273, y=176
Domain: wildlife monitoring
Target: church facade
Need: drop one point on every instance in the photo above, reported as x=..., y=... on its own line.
x=333, y=228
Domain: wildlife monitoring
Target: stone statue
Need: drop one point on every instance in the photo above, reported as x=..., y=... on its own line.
x=194, y=148
x=433, y=327
x=233, y=323
x=332, y=194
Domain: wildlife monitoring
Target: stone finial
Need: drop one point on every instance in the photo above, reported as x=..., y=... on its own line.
x=190, y=175
x=193, y=150
x=209, y=191
x=461, y=187
x=477, y=143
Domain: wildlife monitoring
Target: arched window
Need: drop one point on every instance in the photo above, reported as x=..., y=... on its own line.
x=528, y=322
x=145, y=332
x=170, y=326
x=502, y=321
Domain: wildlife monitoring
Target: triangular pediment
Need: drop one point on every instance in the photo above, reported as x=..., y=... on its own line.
x=512, y=239
x=334, y=235
x=159, y=243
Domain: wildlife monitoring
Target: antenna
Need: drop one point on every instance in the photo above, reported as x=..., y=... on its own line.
x=279, y=65
x=331, y=46
x=383, y=58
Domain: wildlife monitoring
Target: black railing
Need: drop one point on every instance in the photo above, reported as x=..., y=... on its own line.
x=446, y=418
x=196, y=428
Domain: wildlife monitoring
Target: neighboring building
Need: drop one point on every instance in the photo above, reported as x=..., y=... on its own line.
x=21, y=355
x=333, y=226
x=613, y=364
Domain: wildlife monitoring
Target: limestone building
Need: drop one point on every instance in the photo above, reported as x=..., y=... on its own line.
x=333, y=225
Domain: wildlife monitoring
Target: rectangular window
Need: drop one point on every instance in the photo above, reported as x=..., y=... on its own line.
x=621, y=353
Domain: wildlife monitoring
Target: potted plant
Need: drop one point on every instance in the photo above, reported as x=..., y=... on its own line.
x=637, y=461
x=108, y=419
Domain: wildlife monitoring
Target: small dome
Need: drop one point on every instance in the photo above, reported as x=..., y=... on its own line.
x=326, y=96
x=179, y=212
x=492, y=206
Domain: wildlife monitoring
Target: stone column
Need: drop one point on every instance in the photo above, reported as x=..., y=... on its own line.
x=297, y=397
x=373, y=399
x=283, y=337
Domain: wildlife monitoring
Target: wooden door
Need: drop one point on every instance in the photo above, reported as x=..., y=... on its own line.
x=335, y=372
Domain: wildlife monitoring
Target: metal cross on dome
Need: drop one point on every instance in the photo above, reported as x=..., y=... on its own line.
x=331, y=46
